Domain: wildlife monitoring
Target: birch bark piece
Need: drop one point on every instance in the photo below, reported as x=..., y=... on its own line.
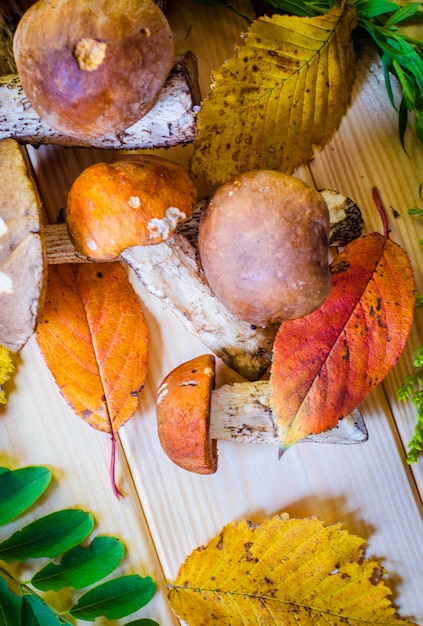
x=172, y=121
x=22, y=253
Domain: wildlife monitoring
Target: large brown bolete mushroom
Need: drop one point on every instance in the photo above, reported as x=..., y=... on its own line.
x=22, y=250
x=192, y=415
x=93, y=68
x=263, y=243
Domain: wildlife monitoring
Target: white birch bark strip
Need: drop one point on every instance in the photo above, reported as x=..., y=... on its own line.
x=172, y=121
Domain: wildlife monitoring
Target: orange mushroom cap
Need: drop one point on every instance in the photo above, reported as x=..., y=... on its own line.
x=183, y=415
x=134, y=200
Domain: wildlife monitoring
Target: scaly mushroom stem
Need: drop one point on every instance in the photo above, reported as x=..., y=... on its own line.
x=241, y=412
x=170, y=271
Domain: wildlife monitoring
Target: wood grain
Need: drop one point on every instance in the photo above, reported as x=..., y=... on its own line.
x=168, y=512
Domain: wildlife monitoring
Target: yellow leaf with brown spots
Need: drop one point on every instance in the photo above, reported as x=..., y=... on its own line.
x=283, y=93
x=282, y=572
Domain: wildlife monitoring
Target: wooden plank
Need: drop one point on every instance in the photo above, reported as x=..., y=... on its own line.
x=366, y=152
x=168, y=512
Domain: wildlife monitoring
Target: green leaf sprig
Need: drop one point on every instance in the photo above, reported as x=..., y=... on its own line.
x=60, y=535
x=412, y=389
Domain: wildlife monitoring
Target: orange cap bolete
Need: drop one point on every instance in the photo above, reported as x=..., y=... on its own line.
x=192, y=415
x=135, y=200
x=183, y=415
x=263, y=243
x=94, y=68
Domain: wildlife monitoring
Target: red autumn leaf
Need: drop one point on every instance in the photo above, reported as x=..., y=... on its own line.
x=325, y=363
x=94, y=339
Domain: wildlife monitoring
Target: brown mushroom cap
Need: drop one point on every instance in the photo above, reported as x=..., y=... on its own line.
x=93, y=68
x=135, y=200
x=263, y=243
x=23, y=266
x=183, y=415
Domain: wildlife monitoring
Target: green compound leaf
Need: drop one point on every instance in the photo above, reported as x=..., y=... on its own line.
x=35, y=612
x=19, y=489
x=81, y=567
x=10, y=605
x=48, y=536
x=283, y=94
x=143, y=622
x=115, y=599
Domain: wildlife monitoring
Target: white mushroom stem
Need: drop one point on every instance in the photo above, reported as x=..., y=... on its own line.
x=171, y=122
x=241, y=412
x=170, y=271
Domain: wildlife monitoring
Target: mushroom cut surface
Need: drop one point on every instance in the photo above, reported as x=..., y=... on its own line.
x=263, y=243
x=90, y=69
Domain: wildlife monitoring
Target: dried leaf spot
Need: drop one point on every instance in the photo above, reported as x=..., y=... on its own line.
x=338, y=268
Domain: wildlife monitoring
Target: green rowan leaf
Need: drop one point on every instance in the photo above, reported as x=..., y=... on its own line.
x=143, y=622
x=115, y=599
x=10, y=605
x=80, y=566
x=48, y=536
x=19, y=489
x=35, y=612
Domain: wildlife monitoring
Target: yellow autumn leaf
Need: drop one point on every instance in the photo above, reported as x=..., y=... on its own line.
x=283, y=93
x=283, y=571
x=6, y=369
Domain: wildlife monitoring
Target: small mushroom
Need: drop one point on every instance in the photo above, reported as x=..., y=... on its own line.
x=192, y=415
x=183, y=415
x=135, y=200
x=22, y=250
x=263, y=244
x=93, y=68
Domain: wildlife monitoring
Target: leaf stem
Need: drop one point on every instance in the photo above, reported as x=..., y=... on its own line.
x=115, y=488
x=381, y=210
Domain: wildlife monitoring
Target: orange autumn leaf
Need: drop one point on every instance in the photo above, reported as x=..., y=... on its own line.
x=93, y=336
x=325, y=363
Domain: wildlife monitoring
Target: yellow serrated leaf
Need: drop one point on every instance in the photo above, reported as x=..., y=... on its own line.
x=6, y=369
x=283, y=93
x=283, y=571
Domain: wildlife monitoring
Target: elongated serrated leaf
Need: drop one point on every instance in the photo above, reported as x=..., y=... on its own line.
x=81, y=566
x=10, y=605
x=353, y=339
x=35, y=612
x=19, y=489
x=282, y=94
x=94, y=338
x=48, y=536
x=283, y=571
x=115, y=599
